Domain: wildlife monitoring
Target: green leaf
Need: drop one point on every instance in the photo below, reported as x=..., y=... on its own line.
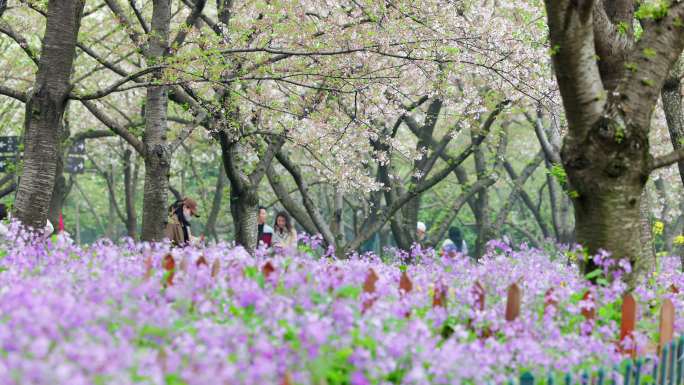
x=654, y=10
x=593, y=274
x=348, y=291
x=174, y=379
x=650, y=52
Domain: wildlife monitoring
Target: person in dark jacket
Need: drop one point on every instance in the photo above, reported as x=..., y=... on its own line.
x=178, y=224
x=455, y=243
x=264, y=231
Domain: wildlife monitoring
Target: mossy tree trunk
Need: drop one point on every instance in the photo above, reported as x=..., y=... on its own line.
x=610, y=83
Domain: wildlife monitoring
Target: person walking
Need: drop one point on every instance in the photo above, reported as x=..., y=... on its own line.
x=284, y=234
x=264, y=231
x=178, y=224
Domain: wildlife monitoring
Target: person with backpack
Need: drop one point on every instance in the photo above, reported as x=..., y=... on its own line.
x=178, y=224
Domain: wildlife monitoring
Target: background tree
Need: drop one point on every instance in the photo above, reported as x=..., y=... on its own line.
x=45, y=106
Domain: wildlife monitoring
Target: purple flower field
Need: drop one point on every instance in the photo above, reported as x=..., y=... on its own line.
x=88, y=315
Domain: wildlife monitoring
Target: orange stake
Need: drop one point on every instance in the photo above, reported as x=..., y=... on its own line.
x=667, y=317
x=513, y=302
x=405, y=284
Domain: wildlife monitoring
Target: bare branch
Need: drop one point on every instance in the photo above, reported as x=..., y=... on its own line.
x=551, y=153
x=123, y=19
x=650, y=62
x=292, y=207
x=115, y=87
x=275, y=143
x=12, y=93
x=572, y=43
x=518, y=182
x=482, y=184
x=10, y=188
x=666, y=160
x=92, y=134
x=7, y=30
x=189, y=22
x=309, y=204
x=238, y=180
x=115, y=127
x=613, y=41
x=110, y=187
x=140, y=17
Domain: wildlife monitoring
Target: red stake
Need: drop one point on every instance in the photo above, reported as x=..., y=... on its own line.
x=267, y=269
x=201, y=261
x=549, y=301
x=405, y=284
x=479, y=293
x=588, y=313
x=628, y=323
x=369, y=287
x=439, y=296
x=169, y=264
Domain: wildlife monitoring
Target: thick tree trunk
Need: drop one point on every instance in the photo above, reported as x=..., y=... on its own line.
x=244, y=195
x=400, y=231
x=336, y=226
x=157, y=153
x=244, y=207
x=608, y=178
x=44, y=112
x=115, y=214
x=61, y=189
x=608, y=105
x=216, y=204
x=671, y=94
x=648, y=252
x=59, y=192
x=482, y=220
x=130, y=179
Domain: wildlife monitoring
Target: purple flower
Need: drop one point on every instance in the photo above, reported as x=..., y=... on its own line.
x=358, y=378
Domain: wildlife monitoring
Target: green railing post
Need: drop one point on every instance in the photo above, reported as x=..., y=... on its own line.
x=671, y=371
x=628, y=373
x=663, y=365
x=527, y=379
x=600, y=377
x=680, y=352
x=637, y=371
